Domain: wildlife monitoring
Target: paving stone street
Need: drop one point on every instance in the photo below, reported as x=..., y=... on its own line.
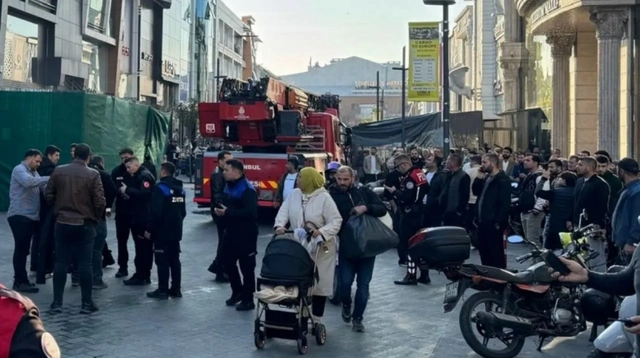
x=400, y=321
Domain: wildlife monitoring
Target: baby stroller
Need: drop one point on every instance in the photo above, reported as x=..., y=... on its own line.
x=288, y=270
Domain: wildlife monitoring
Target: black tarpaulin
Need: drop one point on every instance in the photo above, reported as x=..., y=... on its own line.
x=424, y=131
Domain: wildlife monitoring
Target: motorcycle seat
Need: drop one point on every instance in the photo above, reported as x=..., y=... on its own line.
x=523, y=277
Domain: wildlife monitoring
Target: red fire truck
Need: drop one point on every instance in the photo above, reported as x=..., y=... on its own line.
x=271, y=121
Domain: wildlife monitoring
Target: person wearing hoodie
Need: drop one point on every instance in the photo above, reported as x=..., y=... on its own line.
x=139, y=194
x=42, y=260
x=99, y=244
x=167, y=210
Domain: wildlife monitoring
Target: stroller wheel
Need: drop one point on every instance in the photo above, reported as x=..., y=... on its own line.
x=321, y=334
x=302, y=345
x=259, y=340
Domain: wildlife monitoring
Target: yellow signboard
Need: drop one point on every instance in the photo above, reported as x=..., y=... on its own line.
x=424, y=62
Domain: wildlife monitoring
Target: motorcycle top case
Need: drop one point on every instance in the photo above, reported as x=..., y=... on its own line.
x=440, y=246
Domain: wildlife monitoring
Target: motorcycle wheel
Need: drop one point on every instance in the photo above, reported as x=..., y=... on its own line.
x=467, y=327
x=596, y=353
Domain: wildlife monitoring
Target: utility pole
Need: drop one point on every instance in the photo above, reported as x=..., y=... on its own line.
x=445, y=71
x=377, y=95
x=404, y=70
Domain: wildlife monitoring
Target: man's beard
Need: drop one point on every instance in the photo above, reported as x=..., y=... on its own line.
x=344, y=187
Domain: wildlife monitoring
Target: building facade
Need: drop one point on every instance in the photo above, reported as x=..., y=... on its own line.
x=354, y=80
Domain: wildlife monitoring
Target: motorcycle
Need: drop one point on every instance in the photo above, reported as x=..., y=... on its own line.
x=615, y=341
x=527, y=303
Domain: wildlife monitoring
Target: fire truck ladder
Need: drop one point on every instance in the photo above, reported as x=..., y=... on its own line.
x=315, y=144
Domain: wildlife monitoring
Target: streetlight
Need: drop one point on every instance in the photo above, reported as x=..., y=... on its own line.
x=445, y=69
x=404, y=70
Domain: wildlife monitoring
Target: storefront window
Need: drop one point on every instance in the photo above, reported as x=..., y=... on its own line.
x=96, y=58
x=20, y=47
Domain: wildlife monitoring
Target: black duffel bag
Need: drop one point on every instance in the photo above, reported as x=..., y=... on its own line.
x=366, y=236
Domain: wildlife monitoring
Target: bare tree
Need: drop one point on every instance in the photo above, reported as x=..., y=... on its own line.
x=187, y=116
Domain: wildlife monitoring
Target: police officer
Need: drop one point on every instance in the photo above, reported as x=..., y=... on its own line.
x=409, y=198
x=124, y=212
x=22, y=334
x=139, y=194
x=239, y=216
x=167, y=210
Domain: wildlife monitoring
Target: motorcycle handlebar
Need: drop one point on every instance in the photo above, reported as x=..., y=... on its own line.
x=523, y=258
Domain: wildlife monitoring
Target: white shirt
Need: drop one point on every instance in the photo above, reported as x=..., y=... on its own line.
x=429, y=177
x=505, y=165
x=289, y=185
x=473, y=174
x=374, y=164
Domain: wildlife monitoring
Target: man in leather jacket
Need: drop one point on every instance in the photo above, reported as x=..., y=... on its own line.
x=217, y=183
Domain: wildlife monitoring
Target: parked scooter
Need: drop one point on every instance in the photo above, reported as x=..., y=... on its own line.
x=615, y=341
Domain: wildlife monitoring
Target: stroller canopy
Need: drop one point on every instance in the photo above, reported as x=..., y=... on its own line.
x=287, y=259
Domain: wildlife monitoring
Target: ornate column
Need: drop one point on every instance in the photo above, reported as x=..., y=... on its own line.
x=610, y=26
x=561, y=46
x=510, y=87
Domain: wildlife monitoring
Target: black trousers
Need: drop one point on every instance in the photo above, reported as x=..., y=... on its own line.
x=218, y=263
x=409, y=225
x=74, y=241
x=236, y=256
x=144, y=254
x=44, y=255
x=490, y=245
x=168, y=262
x=123, y=230
x=23, y=230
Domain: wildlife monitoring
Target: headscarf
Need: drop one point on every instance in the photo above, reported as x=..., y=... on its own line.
x=310, y=180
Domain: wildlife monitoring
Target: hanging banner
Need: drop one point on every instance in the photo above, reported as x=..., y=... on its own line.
x=424, y=62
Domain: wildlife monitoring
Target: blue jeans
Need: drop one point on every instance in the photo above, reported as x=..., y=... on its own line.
x=350, y=269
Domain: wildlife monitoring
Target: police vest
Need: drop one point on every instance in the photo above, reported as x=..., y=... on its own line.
x=13, y=308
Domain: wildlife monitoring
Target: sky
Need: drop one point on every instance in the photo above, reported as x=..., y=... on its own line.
x=292, y=31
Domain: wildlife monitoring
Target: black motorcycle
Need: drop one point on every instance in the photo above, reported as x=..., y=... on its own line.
x=518, y=305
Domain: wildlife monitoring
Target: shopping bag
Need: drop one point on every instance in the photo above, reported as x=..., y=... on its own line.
x=366, y=236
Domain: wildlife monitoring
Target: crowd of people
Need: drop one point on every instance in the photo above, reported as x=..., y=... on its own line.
x=57, y=215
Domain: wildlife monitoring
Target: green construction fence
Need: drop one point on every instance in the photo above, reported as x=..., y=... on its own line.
x=106, y=124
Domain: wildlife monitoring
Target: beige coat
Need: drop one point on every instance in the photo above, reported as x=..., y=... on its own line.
x=319, y=209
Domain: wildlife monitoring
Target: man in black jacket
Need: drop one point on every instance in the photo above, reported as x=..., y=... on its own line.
x=124, y=211
x=99, y=244
x=167, y=210
x=139, y=194
x=239, y=217
x=436, y=179
x=591, y=195
x=493, y=189
x=357, y=201
x=42, y=247
x=216, y=183
x=454, y=198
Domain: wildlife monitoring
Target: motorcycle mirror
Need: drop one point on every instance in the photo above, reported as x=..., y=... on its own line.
x=515, y=239
x=638, y=219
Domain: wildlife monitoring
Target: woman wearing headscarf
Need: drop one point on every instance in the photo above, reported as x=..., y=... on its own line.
x=311, y=206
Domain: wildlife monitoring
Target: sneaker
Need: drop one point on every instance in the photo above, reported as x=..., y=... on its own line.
x=175, y=293
x=107, y=260
x=88, y=308
x=246, y=306
x=346, y=313
x=26, y=287
x=161, y=295
x=408, y=280
x=122, y=273
x=100, y=285
x=357, y=325
x=56, y=307
x=234, y=300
